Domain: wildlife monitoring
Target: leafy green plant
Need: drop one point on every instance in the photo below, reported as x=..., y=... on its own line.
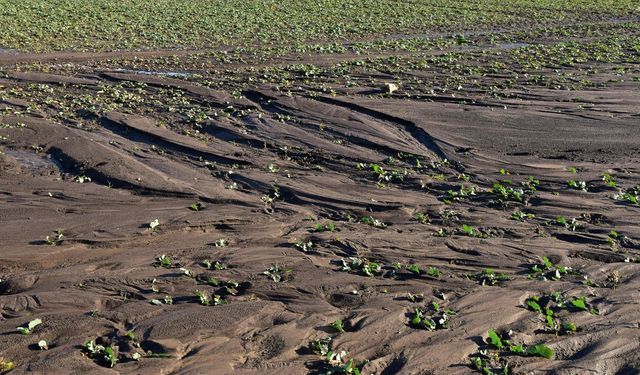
x=609, y=180
x=431, y=318
x=197, y=206
x=365, y=266
x=338, y=326
x=371, y=221
x=163, y=261
x=577, y=185
x=421, y=217
x=490, y=277
x=55, y=240
x=103, y=354
x=548, y=270
x=522, y=216
x=28, y=328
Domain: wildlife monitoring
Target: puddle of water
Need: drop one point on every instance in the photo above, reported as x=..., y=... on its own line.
x=151, y=73
x=33, y=161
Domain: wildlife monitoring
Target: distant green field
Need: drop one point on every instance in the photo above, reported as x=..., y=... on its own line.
x=101, y=25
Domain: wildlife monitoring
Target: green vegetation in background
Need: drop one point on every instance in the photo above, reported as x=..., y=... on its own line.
x=100, y=25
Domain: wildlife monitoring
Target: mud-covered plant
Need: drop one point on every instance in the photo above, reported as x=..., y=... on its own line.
x=278, y=273
x=336, y=363
x=421, y=218
x=371, y=221
x=102, y=354
x=360, y=264
x=520, y=215
x=304, y=245
x=497, y=341
x=321, y=346
x=577, y=185
x=29, y=327
x=153, y=225
x=56, y=239
x=631, y=195
x=163, y=261
x=431, y=318
x=504, y=192
x=609, y=180
x=468, y=230
x=490, y=277
x=338, y=325
x=5, y=365
x=434, y=272
x=327, y=227
x=547, y=270
x=197, y=206
x=458, y=196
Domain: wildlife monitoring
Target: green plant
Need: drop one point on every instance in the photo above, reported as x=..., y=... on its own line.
x=420, y=217
x=104, y=354
x=56, y=240
x=278, y=273
x=609, y=180
x=371, y=221
x=522, y=216
x=338, y=326
x=26, y=330
x=197, y=206
x=577, y=185
x=163, y=261
x=490, y=277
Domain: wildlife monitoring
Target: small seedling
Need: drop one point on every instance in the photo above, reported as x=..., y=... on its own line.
x=26, y=330
x=609, y=180
x=82, y=179
x=197, y=206
x=490, y=277
x=101, y=353
x=154, y=224
x=420, y=217
x=55, y=240
x=370, y=220
x=577, y=185
x=522, y=216
x=434, y=272
x=278, y=274
x=304, y=246
x=163, y=261
x=221, y=243
x=5, y=365
x=338, y=326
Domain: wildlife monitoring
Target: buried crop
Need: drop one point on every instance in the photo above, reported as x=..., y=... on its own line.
x=278, y=273
x=458, y=196
x=431, y=318
x=490, y=277
x=550, y=306
x=56, y=239
x=105, y=355
x=334, y=362
x=547, y=270
x=502, y=343
x=363, y=265
x=577, y=185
